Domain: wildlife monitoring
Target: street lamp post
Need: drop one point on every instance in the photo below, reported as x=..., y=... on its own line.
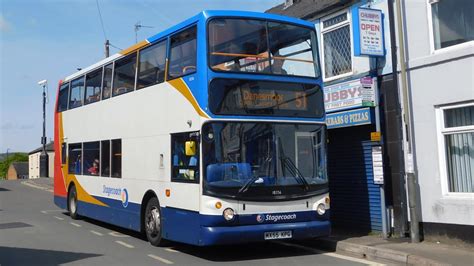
x=44, y=155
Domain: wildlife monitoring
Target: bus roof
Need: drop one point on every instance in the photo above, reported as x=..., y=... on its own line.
x=202, y=16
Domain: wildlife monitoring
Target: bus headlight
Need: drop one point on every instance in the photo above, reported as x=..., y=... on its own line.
x=321, y=209
x=228, y=214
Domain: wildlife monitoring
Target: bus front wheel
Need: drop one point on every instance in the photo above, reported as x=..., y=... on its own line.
x=153, y=225
x=72, y=203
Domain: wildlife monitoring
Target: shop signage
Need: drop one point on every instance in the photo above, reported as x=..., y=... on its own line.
x=375, y=136
x=368, y=91
x=377, y=164
x=368, y=32
x=348, y=95
x=349, y=118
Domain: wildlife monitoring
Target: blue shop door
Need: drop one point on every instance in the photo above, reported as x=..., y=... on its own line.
x=355, y=199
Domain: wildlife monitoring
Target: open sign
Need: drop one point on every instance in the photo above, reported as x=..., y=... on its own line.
x=368, y=32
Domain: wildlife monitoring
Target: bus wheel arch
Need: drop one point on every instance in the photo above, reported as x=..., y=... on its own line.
x=72, y=201
x=148, y=195
x=151, y=219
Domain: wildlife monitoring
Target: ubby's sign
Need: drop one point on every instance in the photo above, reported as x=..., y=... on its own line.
x=349, y=94
x=342, y=96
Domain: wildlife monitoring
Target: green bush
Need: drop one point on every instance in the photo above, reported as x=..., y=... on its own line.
x=14, y=157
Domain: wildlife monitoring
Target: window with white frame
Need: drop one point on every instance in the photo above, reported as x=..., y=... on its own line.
x=453, y=22
x=457, y=138
x=337, y=50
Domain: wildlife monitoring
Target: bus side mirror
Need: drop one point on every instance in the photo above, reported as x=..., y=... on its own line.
x=190, y=148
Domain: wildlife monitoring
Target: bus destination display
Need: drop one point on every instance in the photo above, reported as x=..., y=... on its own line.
x=264, y=98
x=245, y=97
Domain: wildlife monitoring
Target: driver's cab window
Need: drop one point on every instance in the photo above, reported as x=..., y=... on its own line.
x=185, y=157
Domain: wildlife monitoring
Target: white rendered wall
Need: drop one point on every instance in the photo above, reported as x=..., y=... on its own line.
x=436, y=78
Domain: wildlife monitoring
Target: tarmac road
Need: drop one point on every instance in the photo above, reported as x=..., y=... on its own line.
x=33, y=231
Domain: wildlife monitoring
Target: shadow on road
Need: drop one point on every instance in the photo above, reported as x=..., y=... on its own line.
x=243, y=252
x=224, y=253
x=111, y=227
x=27, y=256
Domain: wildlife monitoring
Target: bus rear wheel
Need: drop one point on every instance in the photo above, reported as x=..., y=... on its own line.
x=152, y=222
x=72, y=203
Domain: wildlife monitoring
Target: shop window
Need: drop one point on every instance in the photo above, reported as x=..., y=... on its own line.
x=91, y=154
x=453, y=22
x=75, y=159
x=124, y=75
x=337, y=50
x=77, y=93
x=182, y=54
x=152, y=65
x=457, y=138
x=93, y=84
x=116, y=159
x=185, y=166
x=107, y=81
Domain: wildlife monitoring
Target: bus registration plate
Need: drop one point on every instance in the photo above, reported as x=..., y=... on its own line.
x=278, y=235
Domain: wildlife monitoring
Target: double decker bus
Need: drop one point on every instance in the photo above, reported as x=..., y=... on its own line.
x=210, y=132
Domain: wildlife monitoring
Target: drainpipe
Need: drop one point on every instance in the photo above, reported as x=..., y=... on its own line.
x=410, y=173
x=400, y=220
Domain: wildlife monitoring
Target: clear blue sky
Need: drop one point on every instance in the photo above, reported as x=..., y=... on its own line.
x=49, y=39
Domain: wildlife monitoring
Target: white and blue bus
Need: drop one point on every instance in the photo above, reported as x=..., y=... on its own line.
x=211, y=132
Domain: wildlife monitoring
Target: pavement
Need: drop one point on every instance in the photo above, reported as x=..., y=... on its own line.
x=398, y=251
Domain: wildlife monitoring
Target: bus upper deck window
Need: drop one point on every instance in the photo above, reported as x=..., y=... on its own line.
x=63, y=97
x=107, y=81
x=124, y=75
x=93, y=84
x=151, y=68
x=182, y=54
x=77, y=93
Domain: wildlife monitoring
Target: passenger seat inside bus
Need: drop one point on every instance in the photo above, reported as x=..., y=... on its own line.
x=228, y=171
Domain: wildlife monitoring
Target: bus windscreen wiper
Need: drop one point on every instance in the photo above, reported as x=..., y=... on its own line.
x=294, y=171
x=247, y=184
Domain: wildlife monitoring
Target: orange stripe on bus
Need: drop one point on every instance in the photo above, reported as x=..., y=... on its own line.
x=181, y=86
x=134, y=47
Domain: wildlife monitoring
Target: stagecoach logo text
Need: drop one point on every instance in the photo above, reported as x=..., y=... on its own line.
x=275, y=218
x=116, y=192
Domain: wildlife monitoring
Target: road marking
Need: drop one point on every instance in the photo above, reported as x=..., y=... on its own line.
x=48, y=211
x=59, y=218
x=117, y=234
x=96, y=233
x=171, y=250
x=124, y=244
x=26, y=183
x=160, y=259
x=76, y=225
x=331, y=254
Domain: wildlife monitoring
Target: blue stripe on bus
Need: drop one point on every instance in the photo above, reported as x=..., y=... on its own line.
x=61, y=202
x=181, y=225
x=206, y=14
x=119, y=217
x=197, y=229
x=255, y=233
